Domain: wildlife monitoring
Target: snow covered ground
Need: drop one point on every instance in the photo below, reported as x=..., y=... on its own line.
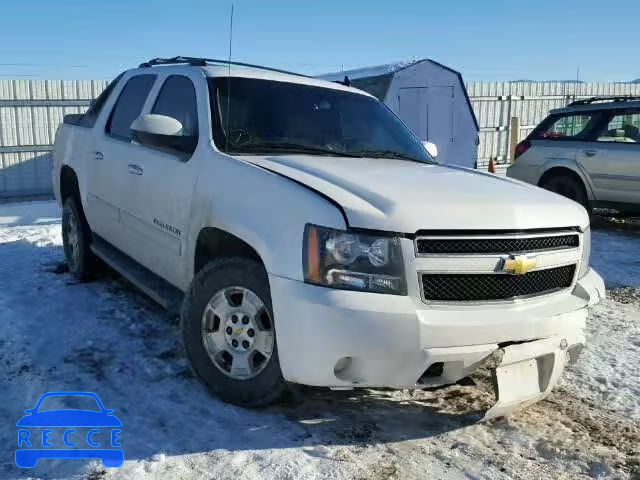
x=57, y=334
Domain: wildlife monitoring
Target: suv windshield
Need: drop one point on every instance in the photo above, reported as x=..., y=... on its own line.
x=281, y=118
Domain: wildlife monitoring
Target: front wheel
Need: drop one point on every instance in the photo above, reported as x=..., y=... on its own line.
x=229, y=332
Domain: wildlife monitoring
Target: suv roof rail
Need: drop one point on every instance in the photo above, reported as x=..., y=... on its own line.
x=618, y=98
x=203, y=62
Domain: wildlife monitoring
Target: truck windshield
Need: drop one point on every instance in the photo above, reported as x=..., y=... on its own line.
x=270, y=117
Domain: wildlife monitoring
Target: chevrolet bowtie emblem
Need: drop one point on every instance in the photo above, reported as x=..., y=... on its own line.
x=519, y=264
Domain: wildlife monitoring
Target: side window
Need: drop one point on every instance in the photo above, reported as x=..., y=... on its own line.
x=567, y=126
x=177, y=99
x=129, y=106
x=623, y=127
x=91, y=115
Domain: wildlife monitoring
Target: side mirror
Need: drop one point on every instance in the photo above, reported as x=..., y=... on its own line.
x=162, y=131
x=431, y=148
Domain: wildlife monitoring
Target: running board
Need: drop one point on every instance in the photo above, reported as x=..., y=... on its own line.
x=151, y=284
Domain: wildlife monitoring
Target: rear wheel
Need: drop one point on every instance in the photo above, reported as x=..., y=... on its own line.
x=567, y=186
x=76, y=240
x=229, y=332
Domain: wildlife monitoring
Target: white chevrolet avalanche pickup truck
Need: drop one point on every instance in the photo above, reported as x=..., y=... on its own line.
x=307, y=237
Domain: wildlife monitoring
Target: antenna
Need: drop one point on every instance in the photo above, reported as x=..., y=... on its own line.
x=229, y=77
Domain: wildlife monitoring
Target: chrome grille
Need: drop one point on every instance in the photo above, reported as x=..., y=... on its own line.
x=495, y=286
x=495, y=245
x=471, y=267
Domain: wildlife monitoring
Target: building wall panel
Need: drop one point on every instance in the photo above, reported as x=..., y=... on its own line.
x=30, y=113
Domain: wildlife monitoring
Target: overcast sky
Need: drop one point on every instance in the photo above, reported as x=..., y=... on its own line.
x=485, y=40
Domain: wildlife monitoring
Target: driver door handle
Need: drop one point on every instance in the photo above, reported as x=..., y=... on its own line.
x=135, y=169
x=590, y=153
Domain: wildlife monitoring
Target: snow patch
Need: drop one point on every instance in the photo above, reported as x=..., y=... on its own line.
x=57, y=334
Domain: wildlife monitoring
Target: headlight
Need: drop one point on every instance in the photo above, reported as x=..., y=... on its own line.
x=353, y=260
x=586, y=253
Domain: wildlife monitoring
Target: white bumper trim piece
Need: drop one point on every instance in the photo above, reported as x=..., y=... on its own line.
x=590, y=288
x=529, y=371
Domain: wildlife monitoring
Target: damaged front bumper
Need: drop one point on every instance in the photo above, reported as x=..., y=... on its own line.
x=528, y=371
x=345, y=339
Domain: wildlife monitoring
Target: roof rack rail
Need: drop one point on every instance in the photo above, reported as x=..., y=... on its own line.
x=617, y=98
x=346, y=82
x=203, y=62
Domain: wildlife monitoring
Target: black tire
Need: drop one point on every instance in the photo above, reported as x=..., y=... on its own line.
x=268, y=385
x=568, y=186
x=80, y=259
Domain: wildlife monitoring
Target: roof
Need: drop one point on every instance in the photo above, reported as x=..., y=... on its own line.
x=377, y=79
x=222, y=68
x=375, y=71
x=590, y=107
x=248, y=72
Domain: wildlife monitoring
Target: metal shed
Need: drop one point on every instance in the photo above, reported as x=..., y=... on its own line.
x=430, y=98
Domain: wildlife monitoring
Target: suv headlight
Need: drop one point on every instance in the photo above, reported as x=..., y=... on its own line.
x=586, y=253
x=353, y=260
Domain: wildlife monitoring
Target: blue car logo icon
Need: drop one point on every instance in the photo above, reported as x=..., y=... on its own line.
x=67, y=433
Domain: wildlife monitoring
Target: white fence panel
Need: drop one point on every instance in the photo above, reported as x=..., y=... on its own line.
x=495, y=103
x=30, y=112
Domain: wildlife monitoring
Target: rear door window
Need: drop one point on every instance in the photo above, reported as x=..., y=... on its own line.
x=572, y=126
x=91, y=115
x=622, y=127
x=129, y=106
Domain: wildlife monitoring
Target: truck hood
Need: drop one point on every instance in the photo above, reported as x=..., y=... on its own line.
x=404, y=196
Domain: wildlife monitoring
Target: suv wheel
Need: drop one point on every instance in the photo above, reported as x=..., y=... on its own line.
x=229, y=332
x=568, y=186
x=76, y=238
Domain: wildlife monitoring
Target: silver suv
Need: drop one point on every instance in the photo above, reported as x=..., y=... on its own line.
x=588, y=151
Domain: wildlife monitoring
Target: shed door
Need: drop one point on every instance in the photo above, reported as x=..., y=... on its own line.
x=413, y=111
x=428, y=112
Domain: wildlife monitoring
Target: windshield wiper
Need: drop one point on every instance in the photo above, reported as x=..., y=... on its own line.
x=388, y=154
x=291, y=148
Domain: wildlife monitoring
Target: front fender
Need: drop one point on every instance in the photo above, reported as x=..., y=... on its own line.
x=572, y=165
x=264, y=209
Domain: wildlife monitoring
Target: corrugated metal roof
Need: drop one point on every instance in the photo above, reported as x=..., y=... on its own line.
x=376, y=80
x=364, y=72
